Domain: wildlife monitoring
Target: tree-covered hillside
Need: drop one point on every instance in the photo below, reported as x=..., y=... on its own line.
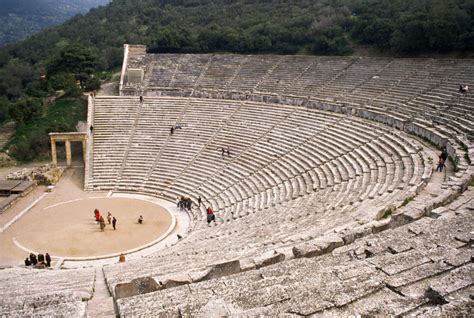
x=85, y=46
x=21, y=18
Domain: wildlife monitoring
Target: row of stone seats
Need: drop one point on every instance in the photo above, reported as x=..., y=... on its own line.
x=31, y=292
x=421, y=268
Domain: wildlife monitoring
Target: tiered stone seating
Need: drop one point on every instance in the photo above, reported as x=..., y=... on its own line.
x=420, y=90
x=420, y=268
x=30, y=292
x=111, y=139
x=291, y=170
x=302, y=182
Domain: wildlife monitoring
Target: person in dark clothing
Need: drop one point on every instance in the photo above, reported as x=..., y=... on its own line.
x=140, y=219
x=223, y=152
x=114, y=222
x=91, y=128
x=40, y=258
x=171, y=130
x=33, y=259
x=141, y=99
x=199, y=201
x=48, y=260
x=27, y=262
x=444, y=155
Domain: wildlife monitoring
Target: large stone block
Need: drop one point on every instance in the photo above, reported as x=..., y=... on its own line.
x=138, y=286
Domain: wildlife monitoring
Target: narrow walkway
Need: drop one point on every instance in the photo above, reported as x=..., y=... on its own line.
x=102, y=304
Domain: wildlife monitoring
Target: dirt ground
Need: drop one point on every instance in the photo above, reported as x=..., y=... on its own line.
x=62, y=223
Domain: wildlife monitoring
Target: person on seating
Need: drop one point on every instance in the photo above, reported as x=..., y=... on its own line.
x=171, y=130
x=228, y=152
x=223, y=152
x=140, y=219
x=141, y=99
x=114, y=222
x=199, y=201
x=48, y=260
x=27, y=262
x=210, y=216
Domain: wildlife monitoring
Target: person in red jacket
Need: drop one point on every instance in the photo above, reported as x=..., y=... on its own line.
x=97, y=215
x=210, y=215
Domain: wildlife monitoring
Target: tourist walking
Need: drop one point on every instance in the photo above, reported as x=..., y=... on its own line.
x=440, y=165
x=114, y=222
x=199, y=201
x=109, y=217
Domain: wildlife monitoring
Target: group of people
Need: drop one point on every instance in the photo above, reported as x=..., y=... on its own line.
x=99, y=219
x=184, y=203
x=225, y=152
x=42, y=261
x=176, y=126
x=442, y=160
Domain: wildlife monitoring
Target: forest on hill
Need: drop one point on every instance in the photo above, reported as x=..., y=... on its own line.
x=21, y=18
x=72, y=57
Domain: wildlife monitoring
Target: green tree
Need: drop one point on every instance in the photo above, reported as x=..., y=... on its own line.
x=74, y=59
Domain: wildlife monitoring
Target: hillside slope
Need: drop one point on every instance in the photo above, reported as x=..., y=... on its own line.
x=21, y=18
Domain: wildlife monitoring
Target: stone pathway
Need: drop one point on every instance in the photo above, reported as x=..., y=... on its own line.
x=102, y=303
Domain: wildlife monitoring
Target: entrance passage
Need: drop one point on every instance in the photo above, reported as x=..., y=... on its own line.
x=67, y=138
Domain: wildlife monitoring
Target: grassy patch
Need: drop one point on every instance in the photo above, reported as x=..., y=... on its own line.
x=31, y=140
x=407, y=200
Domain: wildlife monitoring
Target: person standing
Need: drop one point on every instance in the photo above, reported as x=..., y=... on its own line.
x=97, y=215
x=109, y=217
x=210, y=216
x=199, y=201
x=114, y=222
x=48, y=260
x=140, y=219
x=102, y=223
x=33, y=259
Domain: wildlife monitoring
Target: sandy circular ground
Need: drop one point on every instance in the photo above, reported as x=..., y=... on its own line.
x=69, y=229
x=62, y=223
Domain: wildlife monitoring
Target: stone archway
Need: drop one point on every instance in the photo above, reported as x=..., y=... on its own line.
x=67, y=138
